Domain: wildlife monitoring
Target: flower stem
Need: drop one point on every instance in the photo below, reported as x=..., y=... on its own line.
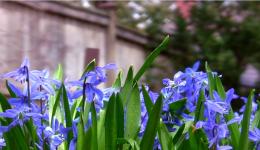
x=28, y=86
x=84, y=94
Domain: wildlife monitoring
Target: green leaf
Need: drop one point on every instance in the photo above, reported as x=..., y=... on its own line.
x=94, y=139
x=147, y=100
x=220, y=88
x=198, y=139
x=152, y=126
x=126, y=89
x=211, y=80
x=16, y=133
x=87, y=139
x=120, y=117
x=149, y=60
x=133, y=144
x=31, y=131
x=178, y=134
x=58, y=74
x=56, y=104
x=101, y=130
x=243, y=141
x=4, y=103
x=75, y=105
x=233, y=129
x=207, y=67
x=89, y=67
x=199, y=112
x=117, y=83
x=81, y=143
x=133, y=114
x=111, y=124
x=177, y=105
x=68, y=118
x=164, y=137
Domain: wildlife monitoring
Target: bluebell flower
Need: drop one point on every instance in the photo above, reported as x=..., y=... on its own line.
x=20, y=74
x=185, y=85
x=215, y=132
x=53, y=135
x=254, y=135
x=98, y=75
x=21, y=99
x=216, y=106
x=19, y=116
x=42, y=82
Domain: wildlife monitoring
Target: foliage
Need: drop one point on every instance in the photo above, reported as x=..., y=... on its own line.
x=192, y=111
x=225, y=34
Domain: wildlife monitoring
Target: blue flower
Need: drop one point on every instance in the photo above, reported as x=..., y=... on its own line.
x=98, y=75
x=53, y=135
x=20, y=116
x=254, y=135
x=42, y=82
x=219, y=107
x=21, y=99
x=21, y=73
x=215, y=132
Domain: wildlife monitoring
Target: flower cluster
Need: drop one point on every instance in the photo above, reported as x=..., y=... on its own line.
x=60, y=111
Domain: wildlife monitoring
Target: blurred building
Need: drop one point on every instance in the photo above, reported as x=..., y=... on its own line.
x=50, y=33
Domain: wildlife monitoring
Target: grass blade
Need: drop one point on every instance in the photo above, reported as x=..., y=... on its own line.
x=89, y=67
x=126, y=89
x=68, y=118
x=133, y=114
x=149, y=60
x=164, y=137
x=111, y=124
x=94, y=140
x=199, y=112
x=56, y=104
x=147, y=100
x=243, y=141
x=152, y=126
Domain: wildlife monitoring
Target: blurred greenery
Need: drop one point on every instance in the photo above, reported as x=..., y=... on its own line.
x=226, y=35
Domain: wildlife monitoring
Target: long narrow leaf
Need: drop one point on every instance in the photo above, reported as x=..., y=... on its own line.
x=199, y=112
x=149, y=60
x=94, y=139
x=133, y=114
x=164, y=137
x=67, y=112
x=55, y=106
x=152, y=126
x=243, y=142
x=111, y=124
x=147, y=100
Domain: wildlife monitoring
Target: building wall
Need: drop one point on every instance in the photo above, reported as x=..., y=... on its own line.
x=129, y=54
x=49, y=39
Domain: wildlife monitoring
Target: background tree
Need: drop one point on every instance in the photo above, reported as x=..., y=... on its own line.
x=226, y=34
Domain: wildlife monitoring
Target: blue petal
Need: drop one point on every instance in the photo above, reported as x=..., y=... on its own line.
x=196, y=65
x=16, y=90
